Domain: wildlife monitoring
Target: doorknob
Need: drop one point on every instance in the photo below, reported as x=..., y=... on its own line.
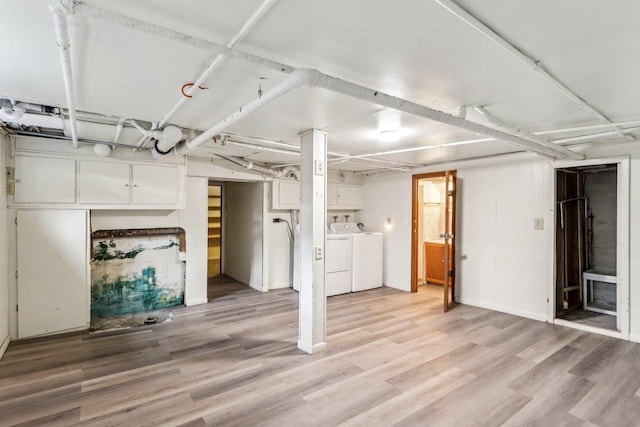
x=446, y=236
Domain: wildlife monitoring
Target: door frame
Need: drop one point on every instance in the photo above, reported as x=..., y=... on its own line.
x=622, y=245
x=415, y=181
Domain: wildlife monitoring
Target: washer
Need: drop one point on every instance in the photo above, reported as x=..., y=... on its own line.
x=366, y=261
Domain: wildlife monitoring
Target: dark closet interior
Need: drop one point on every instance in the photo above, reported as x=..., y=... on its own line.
x=586, y=215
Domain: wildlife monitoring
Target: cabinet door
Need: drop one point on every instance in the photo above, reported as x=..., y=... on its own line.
x=350, y=196
x=434, y=262
x=45, y=180
x=286, y=194
x=332, y=196
x=155, y=184
x=53, y=284
x=103, y=182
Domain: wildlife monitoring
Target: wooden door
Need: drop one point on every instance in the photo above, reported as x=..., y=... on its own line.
x=449, y=240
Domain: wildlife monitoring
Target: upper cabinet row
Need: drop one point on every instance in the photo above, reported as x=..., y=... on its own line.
x=286, y=195
x=46, y=180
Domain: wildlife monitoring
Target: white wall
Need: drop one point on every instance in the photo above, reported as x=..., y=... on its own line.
x=502, y=263
x=280, y=250
x=194, y=220
x=4, y=243
x=243, y=228
x=390, y=197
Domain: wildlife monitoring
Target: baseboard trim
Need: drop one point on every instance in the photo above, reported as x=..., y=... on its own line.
x=4, y=346
x=587, y=328
x=634, y=337
x=312, y=349
x=281, y=285
x=195, y=301
x=515, y=312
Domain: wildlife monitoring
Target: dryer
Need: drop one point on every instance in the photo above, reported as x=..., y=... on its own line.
x=366, y=255
x=366, y=261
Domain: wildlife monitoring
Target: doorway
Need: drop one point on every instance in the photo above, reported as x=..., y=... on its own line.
x=433, y=234
x=214, y=230
x=586, y=290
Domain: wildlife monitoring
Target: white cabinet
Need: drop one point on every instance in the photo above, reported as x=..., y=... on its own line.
x=285, y=194
x=344, y=196
x=44, y=180
x=154, y=184
x=103, y=182
x=52, y=266
x=97, y=184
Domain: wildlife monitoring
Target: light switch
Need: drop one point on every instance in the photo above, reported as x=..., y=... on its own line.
x=538, y=223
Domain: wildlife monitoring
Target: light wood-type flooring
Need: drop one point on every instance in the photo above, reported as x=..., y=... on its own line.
x=394, y=359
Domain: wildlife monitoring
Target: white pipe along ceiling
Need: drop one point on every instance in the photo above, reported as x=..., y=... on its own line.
x=314, y=78
x=535, y=66
x=492, y=116
x=310, y=78
x=59, y=10
x=216, y=62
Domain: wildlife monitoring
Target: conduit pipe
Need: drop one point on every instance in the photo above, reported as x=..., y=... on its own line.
x=314, y=78
x=514, y=130
x=294, y=150
x=59, y=10
x=535, y=66
x=593, y=135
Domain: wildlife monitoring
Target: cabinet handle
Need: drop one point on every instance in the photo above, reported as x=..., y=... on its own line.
x=126, y=185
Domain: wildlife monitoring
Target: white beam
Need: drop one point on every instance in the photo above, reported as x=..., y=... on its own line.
x=312, y=335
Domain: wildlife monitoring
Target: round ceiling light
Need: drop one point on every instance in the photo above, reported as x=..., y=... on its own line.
x=101, y=150
x=390, y=135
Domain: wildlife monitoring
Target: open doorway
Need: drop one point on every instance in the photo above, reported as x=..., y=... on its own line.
x=433, y=259
x=587, y=245
x=214, y=229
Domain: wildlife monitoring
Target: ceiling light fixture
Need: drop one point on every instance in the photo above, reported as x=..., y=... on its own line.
x=390, y=135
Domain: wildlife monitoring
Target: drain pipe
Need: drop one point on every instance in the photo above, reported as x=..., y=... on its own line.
x=314, y=78
x=59, y=10
x=514, y=130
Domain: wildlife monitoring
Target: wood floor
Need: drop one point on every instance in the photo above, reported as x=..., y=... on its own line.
x=394, y=359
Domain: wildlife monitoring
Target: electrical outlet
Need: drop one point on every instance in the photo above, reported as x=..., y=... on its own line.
x=319, y=167
x=538, y=223
x=318, y=252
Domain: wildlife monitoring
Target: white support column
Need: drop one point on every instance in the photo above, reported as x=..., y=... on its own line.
x=312, y=308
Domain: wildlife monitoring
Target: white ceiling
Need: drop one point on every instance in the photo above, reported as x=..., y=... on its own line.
x=413, y=49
